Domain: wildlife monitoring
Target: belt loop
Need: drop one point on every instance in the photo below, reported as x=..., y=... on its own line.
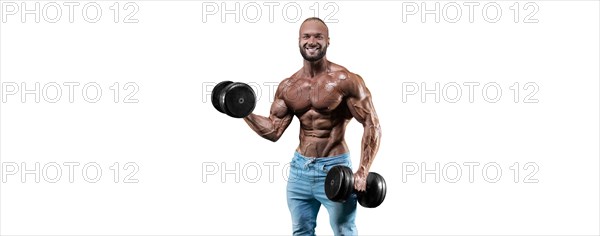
x=310, y=161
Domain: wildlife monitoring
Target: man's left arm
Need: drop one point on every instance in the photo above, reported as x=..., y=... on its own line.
x=360, y=104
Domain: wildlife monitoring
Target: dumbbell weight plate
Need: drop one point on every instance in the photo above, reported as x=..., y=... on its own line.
x=339, y=183
x=216, y=94
x=348, y=183
x=237, y=100
x=375, y=192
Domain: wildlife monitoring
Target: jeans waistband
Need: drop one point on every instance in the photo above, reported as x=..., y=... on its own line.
x=321, y=161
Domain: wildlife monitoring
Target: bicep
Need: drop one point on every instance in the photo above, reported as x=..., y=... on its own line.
x=279, y=109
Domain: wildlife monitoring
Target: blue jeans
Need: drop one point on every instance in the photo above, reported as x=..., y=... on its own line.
x=306, y=193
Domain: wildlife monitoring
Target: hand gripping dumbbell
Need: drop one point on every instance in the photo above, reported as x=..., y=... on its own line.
x=234, y=99
x=339, y=184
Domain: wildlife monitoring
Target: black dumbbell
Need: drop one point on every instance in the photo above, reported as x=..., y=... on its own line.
x=234, y=99
x=339, y=184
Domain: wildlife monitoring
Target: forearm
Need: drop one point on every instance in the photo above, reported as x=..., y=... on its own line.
x=370, y=146
x=263, y=126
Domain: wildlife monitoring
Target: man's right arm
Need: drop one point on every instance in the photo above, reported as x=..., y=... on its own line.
x=272, y=127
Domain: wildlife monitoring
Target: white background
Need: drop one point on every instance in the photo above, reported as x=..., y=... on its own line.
x=173, y=131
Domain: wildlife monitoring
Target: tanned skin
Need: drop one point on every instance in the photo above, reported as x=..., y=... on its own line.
x=325, y=97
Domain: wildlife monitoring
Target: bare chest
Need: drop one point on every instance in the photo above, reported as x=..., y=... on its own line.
x=322, y=94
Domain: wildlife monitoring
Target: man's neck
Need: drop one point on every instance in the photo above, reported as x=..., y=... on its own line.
x=314, y=68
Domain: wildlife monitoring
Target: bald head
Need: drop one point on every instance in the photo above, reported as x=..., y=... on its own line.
x=315, y=20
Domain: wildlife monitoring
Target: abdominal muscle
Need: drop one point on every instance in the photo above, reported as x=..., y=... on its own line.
x=322, y=135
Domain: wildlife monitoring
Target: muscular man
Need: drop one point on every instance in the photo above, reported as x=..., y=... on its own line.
x=325, y=97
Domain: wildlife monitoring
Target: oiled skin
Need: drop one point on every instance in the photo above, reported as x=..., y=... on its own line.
x=325, y=97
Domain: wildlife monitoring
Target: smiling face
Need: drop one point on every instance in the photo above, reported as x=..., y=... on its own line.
x=313, y=41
